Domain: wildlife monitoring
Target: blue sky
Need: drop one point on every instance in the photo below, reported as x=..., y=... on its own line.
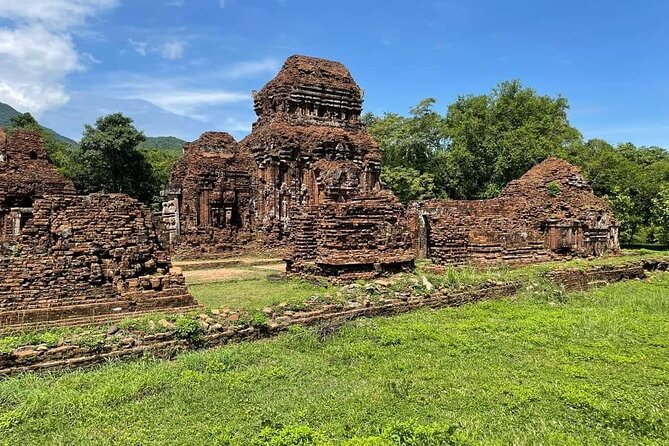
x=181, y=67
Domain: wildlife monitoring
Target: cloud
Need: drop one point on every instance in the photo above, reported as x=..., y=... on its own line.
x=176, y=95
x=142, y=48
x=57, y=15
x=37, y=51
x=253, y=68
x=172, y=49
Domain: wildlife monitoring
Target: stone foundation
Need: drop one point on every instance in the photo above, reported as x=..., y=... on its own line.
x=361, y=238
x=221, y=331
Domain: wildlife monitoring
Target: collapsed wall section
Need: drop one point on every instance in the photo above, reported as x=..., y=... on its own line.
x=25, y=175
x=84, y=256
x=549, y=213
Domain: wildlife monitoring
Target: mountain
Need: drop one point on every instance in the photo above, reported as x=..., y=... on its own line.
x=7, y=113
x=163, y=143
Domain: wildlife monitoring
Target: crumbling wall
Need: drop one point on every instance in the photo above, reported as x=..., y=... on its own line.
x=210, y=203
x=362, y=237
x=84, y=256
x=25, y=175
x=549, y=213
x=309, y=143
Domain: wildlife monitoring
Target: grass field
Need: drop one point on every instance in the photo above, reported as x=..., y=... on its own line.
x=542, y=368
x=254, y=293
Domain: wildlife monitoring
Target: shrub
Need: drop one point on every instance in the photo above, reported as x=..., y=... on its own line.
x=294, y=435
x=188, y=329
x=553, y=189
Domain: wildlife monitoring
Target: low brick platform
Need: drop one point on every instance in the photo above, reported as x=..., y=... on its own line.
x=168, y=343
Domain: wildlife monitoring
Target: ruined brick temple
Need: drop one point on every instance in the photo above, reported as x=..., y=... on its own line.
x=307, y=180
x=64, y=256
x=313, y=183
x=209, y=206
x=549, y=213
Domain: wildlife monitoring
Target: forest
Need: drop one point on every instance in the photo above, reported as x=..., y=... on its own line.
x=471, y=151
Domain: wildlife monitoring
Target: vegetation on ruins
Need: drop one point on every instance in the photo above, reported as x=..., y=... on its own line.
x=544, y=367
x=484, y=141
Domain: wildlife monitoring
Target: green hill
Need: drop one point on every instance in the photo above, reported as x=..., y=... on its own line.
x=7, y=113
x=163, y=143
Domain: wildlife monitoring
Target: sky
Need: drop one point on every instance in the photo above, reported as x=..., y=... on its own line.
x=182, y=67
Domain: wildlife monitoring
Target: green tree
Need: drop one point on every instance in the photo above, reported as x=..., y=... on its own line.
x=409, y=184
x=660, y=217
x=108, y=160
x=25, y=121
x=161, y=161
x=497, y=137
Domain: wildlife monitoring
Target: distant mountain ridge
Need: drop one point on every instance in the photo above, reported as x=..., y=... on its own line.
x=7, y=112
x=163, y=143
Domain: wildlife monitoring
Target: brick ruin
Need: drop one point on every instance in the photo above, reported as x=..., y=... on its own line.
x=307, y=179
x=25, y=175
x=66, y=256
x=549, y=213
x=309, y=143
x=308, y=169
x=209, y=206
x=360, y=238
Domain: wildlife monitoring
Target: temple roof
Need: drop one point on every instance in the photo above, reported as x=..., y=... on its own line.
x=551, y=170
x=304, y=70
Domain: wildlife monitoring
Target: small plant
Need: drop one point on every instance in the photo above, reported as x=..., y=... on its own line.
x=92, y=343
x=257, y=319
x=16, y=250
x=188, y=329
x=289, y=436
x=553, y=189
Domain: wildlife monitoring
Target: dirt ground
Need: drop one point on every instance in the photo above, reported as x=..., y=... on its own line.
x=206, y=271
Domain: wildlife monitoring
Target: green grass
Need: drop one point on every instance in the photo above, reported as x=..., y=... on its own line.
x=541, y=368
x=256, y=293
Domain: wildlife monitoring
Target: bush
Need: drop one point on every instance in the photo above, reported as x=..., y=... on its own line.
x=294, y=435
x=553, y=189
x=188, y=329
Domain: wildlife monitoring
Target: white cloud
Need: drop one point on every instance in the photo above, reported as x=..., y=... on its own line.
x=171, y=50
x=142, y=48
x=56, y=15
x=246, y=69
x=38, y=53
x=176, y=95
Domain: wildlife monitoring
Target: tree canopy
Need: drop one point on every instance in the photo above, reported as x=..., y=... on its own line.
x=484, y=141
x=108, y=160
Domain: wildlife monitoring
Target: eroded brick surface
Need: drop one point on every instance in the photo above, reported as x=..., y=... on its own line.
x=360, y=238
x=549, y=213
x=210, y=202
x=64, y=255
x=309, y=143
x=314, y=186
